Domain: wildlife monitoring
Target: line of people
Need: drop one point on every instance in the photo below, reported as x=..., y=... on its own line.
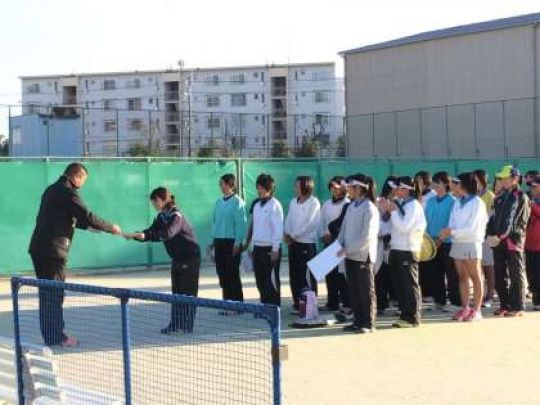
x=482, y=236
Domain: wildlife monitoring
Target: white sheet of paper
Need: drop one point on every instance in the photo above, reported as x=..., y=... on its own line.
x=325, y=261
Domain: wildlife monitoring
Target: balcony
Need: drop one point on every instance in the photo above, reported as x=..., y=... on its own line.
x=279, y=113
x=172, y=96
x=279, y=134
x=172, y=117
x=279, y=91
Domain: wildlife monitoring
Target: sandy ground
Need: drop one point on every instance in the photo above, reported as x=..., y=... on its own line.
x=496, y=361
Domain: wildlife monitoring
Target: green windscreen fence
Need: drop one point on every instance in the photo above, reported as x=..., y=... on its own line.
x=118, y=191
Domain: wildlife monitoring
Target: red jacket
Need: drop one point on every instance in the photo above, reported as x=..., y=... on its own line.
x=532, y=242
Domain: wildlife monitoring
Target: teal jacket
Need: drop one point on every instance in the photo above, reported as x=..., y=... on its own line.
x=229, y=219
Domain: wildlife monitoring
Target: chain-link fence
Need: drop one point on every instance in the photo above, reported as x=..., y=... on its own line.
x=36, y=130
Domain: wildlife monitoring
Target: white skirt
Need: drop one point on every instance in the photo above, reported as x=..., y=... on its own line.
x=466, y=251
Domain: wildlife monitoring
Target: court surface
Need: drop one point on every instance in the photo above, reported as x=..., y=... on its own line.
x=496, y=361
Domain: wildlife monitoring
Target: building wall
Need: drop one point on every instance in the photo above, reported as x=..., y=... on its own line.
x=442, y=98
x=249, y=123
x=35, y=135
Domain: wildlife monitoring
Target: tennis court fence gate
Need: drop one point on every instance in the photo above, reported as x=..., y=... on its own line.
x=225, y=352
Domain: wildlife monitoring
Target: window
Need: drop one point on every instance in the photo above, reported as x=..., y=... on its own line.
x=108, y=104
x=56, y=87
x=256, y=118
x=212, y=80
x=263, y=119
x=134, y=83
x=322, y=118
x=135, y=124
x=109, y=84
x=238, y=78
x=33, y=88
x=303, y=94
x=134, y=104
x=256, y=75
x=296, y=75
x=238, y=99
x=256, y=96
x=109, y=125
x=86, y=85
x=157, y=103
x=212, y=100
x=150, y=101
x=318, y=76
x=262, y=98
x=262, y=76
x=322, y=96
x=213, y=123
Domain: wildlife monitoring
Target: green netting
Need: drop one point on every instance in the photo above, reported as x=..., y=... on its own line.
x=118, y=191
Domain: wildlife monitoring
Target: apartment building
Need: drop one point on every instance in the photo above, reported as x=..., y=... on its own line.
x=244, y=108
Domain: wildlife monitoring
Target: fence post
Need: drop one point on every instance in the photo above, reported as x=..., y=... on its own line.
x=126, y=347
x=276, y=359
x=17, y=335
x=117, y=133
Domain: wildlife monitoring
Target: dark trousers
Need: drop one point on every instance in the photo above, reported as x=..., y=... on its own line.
x=299, y=275
x=336, y=288
x=425, y=278
x=452, y=281
x=51, y=313
x=384, y=287
x=435, y=272
x=405, y=268
x=184, y=281
x=361, y=283
x=228, y=270
x=533, y=275
x=509, y=277
x=267, y=275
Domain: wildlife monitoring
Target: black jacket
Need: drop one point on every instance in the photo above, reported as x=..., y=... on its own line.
x=60, y=212
x=335, y=226
x=173, y=229
x=511, y=215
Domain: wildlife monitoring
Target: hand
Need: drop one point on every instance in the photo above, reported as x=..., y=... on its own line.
x=139, y=236
x=341, y=253
x=236, y=250
x=274, y=257
x=116, y=230
x=445, y=234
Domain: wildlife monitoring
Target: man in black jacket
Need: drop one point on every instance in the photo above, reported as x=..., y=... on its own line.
x=506, y=234
x=60, y=212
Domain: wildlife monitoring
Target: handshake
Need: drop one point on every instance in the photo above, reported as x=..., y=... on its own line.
x=116, y=230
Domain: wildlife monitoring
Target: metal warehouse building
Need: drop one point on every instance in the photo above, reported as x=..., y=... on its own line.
x=467, y=91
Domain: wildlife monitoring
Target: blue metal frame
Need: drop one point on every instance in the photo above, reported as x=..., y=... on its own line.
x=270, y=313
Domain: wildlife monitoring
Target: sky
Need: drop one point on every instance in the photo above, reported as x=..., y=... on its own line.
x=69, y=36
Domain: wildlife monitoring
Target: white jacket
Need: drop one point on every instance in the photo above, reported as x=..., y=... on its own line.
x=268, y=224
x=468, y=221
x=408, y=230
x=303, y=220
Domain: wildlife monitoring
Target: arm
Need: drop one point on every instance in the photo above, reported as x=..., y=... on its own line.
x=162, y=231
x=85, y=218
x=288, y=219
x=240, y=223
x=277, y=227
x=213, y=227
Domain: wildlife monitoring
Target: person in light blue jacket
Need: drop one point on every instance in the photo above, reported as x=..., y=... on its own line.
x=229, y=225
x=438, y=210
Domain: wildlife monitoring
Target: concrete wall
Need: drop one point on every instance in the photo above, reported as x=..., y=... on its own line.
x=442, y=98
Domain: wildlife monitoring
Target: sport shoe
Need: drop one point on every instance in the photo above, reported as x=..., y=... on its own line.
x=366, y=330
x=473, y=316
x=342, y=317
x=441, y=307
x=514, y=314
x=461, y=315
x=400, y=323
x=352, y=328
x=486, y=304
x=500, y=312
x=70, y=341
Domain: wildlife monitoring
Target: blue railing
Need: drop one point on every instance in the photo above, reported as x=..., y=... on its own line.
x=25, y=328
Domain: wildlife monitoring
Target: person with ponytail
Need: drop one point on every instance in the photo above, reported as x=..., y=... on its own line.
x=173, y=229
x=467, y=228
x=228, y=232
x=408, y=226
x=359, y=237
